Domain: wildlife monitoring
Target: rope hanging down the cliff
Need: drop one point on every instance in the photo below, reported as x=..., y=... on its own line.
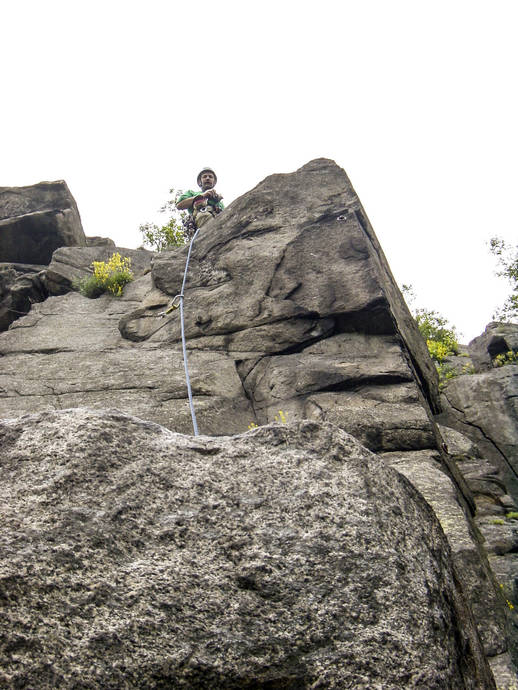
x=178, y=301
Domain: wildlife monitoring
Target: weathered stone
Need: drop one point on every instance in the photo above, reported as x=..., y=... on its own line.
x=504, y=671
x=423, y=469
x=497, y=339
x=21, y=285
x=36, y=220
x=485, y=407
x=291, y=282
x=99, y=242
x=458, y=443
x=71, y=264
x=360, y=382
x=288, y=557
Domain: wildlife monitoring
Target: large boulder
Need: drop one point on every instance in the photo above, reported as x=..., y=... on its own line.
x=289, y=557
x=36, y=220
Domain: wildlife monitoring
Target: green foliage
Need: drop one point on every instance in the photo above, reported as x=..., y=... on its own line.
x=505, y=358
x=440, y=338
x=512, y=516
x=160, y=238
x=107, y=277
x=446, y=372
x=88, y=287
x=507, y=258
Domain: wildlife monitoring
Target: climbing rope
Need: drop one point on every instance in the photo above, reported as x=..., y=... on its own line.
x=184, y=348
x=178, y=302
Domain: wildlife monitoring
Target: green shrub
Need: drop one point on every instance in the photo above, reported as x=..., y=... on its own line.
x=107, y=277
x=505, y=358
x=445, y=372
x=441, y=339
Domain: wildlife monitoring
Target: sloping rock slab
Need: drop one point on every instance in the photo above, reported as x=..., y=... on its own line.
x=36, y=220
x=68, y=352
x=289, y=557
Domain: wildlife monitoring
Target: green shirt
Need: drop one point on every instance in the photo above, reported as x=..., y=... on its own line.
x=189, y=193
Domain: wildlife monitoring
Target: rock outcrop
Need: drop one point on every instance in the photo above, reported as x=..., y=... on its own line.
x=287, y=557
x=36, y=220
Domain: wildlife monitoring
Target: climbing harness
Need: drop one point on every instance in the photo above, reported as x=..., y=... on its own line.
x=189, y=227
x=178, y=302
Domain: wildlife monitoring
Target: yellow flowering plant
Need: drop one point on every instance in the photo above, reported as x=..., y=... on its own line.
x=110, y=276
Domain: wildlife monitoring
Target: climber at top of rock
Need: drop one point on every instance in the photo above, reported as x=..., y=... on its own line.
x=205, y=205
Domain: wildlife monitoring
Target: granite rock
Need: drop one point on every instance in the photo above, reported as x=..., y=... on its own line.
x=286, y=557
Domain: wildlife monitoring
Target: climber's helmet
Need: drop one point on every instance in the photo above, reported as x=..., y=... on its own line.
x=201, y=181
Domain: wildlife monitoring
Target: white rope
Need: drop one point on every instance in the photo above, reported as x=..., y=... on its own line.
x=184, y=348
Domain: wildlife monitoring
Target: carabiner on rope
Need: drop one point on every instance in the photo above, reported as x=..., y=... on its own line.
x=174, y=305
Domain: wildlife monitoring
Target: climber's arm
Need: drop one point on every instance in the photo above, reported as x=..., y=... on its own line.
x=187, y=203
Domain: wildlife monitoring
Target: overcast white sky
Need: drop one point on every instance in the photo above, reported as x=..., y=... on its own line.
x=416, y=100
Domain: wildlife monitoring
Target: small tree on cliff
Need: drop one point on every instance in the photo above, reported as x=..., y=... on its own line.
x=507, y=257
x=442, y=339
x=171, y=234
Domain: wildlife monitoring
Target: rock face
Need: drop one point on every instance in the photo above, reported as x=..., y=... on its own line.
x=36, y=220
x=291, y=284
x=288, y=557
x=289, y=305
x=288, y=291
